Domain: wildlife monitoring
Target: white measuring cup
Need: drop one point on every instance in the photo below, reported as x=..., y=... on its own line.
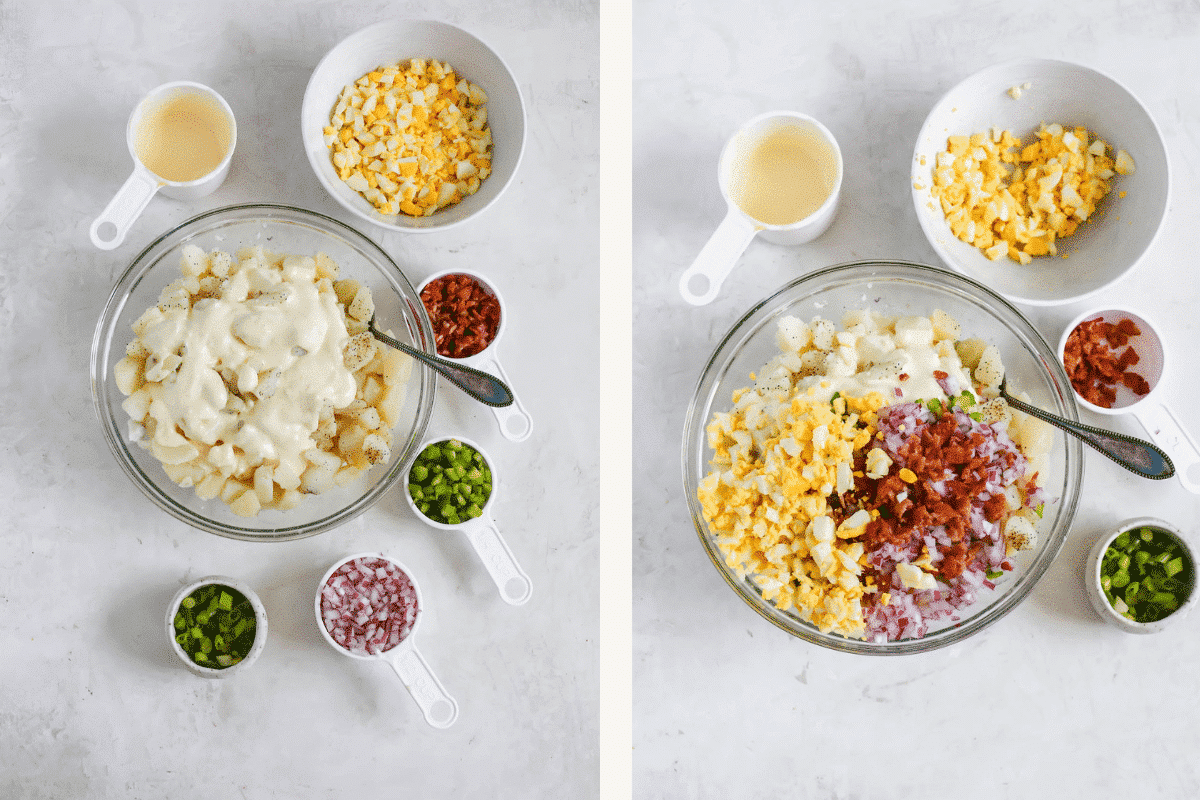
x=701, y=281
x=514, y=421
x=514, y=585
x=438, y=707
x=1159, y=421
x=109, y=229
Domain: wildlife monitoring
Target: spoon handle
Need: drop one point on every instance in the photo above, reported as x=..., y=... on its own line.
x=1130, y=452
x=487, y=389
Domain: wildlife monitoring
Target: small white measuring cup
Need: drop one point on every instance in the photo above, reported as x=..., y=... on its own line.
x=514, y=421
x=718, y=257
x=438, y=707
x=514, y=585
x=110, y=228
x=1159, y=421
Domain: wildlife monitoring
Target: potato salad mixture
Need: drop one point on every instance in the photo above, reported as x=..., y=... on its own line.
x=871, y=480
x=254, y=379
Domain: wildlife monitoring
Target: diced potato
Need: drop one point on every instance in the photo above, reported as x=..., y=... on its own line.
x=362, y=308
x=317, y=479
x=391, y=405
x=326, y=267
x=232, y=489
x=969, y=351
x=129, y=374
x=246, y=504
x=376, y=449
x=288, y=500
x=264, y=484
x=211, y=486
x=990, y=369
x=359, y=351
x=945, y=326
x=397, y=366
x=346, y=289
x=347, y=475
x=137, y=405
x=350, y=445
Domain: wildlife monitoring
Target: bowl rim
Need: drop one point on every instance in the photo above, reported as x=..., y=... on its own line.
x=1100, y=603
x=309, y=139
x=919, y=199
x=694, y=427
x=260, y=625
x=110, y=423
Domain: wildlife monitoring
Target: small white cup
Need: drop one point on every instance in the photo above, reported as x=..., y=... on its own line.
x=1159, y=421
x=514, y=585
x=260, y=627
x=110, y=228
x=733, y=235
x=1095, y=592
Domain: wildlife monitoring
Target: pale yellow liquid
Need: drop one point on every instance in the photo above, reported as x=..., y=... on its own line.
x=183, y=137
x=784, y=176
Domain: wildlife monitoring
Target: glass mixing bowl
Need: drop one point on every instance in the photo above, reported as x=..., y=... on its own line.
x=284, y=230
x=894, y=287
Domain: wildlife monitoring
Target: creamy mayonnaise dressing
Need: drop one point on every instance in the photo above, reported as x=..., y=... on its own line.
x=784, y=176
x=281, y=336
x=183, y=137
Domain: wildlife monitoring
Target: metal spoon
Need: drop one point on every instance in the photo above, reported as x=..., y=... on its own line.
x=485, y=388
x=1134, y=454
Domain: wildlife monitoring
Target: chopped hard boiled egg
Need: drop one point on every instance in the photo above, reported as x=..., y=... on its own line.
x=769, y=505
x=1014, y=200
x=411, y=139
x=1015, y=92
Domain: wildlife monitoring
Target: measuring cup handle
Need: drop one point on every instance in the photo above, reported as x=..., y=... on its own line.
x=501, y=564
x=438, y=707
x=1166, y=431
x=124, y=208
x=515, y=422
x=717, y=258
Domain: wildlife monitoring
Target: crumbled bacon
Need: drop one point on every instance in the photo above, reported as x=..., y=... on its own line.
x=1094, y=365
x=957, y=500
x=465, y=316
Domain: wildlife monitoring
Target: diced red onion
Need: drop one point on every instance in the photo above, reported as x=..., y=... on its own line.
x=369, y=605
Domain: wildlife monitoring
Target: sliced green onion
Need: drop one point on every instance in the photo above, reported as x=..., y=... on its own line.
x=1145, y=574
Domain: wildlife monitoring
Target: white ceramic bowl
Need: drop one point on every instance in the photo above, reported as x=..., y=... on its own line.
x=260, y=627
x=1096, y=594
x=1109, y=244
x=399, y=40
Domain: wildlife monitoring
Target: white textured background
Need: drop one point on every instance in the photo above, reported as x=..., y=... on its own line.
x=91, y=702
x=1048, y=702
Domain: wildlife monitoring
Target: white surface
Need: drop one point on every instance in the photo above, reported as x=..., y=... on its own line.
x=92, y=701
x=1048, y=702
